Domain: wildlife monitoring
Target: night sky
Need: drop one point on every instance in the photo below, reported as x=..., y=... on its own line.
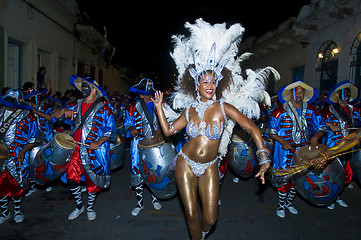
x=141, y=32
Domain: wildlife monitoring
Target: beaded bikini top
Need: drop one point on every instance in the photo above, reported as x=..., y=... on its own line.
x=194, y=129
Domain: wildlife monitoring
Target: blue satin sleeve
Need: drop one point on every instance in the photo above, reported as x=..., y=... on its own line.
x=33, y=132
x=318, y=124
x=129, y=121
x=272, y=126
x=109, y=129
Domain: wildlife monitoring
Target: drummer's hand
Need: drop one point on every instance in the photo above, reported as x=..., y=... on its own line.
x=158, y=99
x=314, y=143
x=69, y=114
x=286, y=145
x=133, y=131
x=21, y=156
x=262, y=171
x=317, y=162
x=94, y=145
x=157, y=135
x=334, y=127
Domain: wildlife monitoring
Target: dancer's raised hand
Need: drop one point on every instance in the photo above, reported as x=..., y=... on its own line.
x=158, y=99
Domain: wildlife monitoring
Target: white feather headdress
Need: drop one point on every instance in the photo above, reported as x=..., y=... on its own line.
x=244, y=94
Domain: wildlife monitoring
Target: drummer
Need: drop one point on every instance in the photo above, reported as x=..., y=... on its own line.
x=292, y=124
x=93, y=127
x=43, y=113
x=140, y=122
x=18, y=131
x=340, y=118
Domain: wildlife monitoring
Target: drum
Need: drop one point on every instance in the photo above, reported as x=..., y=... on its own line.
x=241, y=156
x=51, y=162
x=120, y=127
x=318, y=187
x=156, y=157
x=355, y=163
x=32, y=155
x=116, y=153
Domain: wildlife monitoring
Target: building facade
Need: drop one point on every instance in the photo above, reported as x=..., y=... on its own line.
x=49, y=33
x=320, y=46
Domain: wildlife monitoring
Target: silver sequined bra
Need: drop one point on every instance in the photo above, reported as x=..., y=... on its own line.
x=202, y=129
x=193, y=130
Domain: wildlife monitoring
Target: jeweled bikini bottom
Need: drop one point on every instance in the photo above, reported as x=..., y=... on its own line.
x=197, y=168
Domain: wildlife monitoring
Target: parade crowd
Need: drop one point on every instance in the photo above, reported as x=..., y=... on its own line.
x=77, y=138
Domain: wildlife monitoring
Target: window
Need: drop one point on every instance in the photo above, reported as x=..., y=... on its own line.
x=326, y=65
x=298, y=73
x=355, y=65
x=14, y=65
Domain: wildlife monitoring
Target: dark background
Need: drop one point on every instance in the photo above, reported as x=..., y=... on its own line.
x=141, y=31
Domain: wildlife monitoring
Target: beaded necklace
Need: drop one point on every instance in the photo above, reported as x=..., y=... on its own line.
x=201, y=108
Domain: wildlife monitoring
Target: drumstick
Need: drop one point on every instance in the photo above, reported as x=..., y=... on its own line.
x=21, y=174
x=80, y=143
x=298, y=145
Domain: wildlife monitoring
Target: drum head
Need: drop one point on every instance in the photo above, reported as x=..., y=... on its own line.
x=4, y=152
x=318, y=187
x=150, y=142
x=65, y=141
x=305, y=153
x=240, y=135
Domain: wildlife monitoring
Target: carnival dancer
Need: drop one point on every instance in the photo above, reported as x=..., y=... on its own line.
x=93, y=127
x=291, y=125
x=18, y=131
x=341, y=118
x=141, y=121
x=207, y=81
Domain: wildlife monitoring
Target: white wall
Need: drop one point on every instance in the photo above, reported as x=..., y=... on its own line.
x=39, y=35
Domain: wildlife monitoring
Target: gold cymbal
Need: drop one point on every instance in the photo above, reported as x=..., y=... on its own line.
x=4, y=152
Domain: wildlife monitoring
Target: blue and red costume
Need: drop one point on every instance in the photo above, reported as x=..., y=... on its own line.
x=99, y=123
x=18, y=129
x=282, y=124
x=335, y=114
x=286, y=124
x=25, y=131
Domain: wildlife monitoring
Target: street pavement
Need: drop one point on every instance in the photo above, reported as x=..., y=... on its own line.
x=247, y=212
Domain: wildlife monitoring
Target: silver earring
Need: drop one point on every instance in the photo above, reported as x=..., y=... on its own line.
x=214, y=97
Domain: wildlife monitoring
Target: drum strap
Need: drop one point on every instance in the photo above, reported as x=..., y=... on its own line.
x=147, y=114
x=7, y=122
x=299, y=121
x=343, y=114
x=87, y=112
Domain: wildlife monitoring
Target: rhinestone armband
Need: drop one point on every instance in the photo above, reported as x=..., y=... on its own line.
x=172, y=128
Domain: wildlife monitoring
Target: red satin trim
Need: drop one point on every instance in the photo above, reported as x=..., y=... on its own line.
x=8, y=186
x=76, y=169
x=348, y=172
x=286, y=188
